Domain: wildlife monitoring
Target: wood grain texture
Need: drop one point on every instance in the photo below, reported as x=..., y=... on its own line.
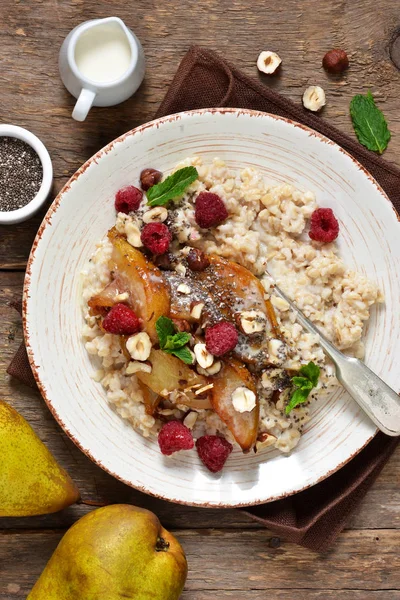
x=373, y=555
x=229, y=555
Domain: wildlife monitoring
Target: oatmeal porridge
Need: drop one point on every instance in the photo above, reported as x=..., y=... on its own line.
x=191, y=342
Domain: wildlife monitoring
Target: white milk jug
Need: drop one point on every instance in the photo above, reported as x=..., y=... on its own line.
x=101, y=63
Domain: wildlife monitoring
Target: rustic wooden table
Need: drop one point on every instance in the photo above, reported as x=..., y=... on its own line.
x=229, y=555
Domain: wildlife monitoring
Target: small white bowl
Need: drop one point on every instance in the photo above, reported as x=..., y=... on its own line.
x=27, y=211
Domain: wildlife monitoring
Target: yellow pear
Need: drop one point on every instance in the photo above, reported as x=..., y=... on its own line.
x=114, y=552
x=31, y=481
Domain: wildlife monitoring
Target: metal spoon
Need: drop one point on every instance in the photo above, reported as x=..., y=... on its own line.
x=375, y=397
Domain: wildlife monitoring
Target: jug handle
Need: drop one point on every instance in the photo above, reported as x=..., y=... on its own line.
x=83, y=104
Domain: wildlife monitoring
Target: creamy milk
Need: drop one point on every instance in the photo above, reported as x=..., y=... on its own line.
x=103, y=53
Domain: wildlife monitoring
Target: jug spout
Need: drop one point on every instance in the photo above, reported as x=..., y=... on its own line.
x=110, y=23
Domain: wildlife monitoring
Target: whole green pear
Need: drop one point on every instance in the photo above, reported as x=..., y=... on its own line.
x=118, y=551
x=31, y=480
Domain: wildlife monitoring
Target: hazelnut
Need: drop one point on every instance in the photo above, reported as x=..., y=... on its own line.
x=268, y=62
x=243, y=399
x=180, y=269
x=252, y=321
x=203, y=356
x=139, y=346
x=213, y=370
x=196, y=310
x=181, y=325
x=277, y=351
x=158, y=214
x=148, y=178
x=190, y=419
x=133, y=234
x=335, y=61
x=197, y=260
x=314, y=98
x=183, y=288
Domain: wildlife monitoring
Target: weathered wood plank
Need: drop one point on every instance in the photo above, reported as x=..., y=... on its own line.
x=373, y=556
x=238, y=561
x=14, y=591
x=293, y=594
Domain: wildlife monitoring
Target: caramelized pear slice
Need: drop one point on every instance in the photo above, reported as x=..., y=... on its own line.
x=182, y=304
x=143, y=281
x=101, y=302
x=273, y=321
x=169, y=374
x=243, y=426
x=234, y=289
x=151, y=399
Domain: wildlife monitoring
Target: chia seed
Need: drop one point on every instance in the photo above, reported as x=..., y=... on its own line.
x=21, y=173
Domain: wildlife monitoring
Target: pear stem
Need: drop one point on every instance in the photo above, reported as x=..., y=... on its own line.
x=92, y=502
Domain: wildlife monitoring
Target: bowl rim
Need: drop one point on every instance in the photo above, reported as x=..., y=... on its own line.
x=25, y=212
x=47, y=220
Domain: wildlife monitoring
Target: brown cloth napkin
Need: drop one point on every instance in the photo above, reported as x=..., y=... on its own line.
x=314, y=517
x=19, y=366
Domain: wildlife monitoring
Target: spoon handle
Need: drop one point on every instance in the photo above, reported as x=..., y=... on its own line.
x=376, y=398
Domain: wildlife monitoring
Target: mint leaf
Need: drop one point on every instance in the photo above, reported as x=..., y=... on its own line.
x=176, y=341
x=172, y=342
x=298, y=397
x=164, y=328
x=311, y=371
x=183, y=354
x=304, y=385
x=369, y=123
x=172, y=187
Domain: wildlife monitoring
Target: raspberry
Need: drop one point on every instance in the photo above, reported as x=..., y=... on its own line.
x=324, y=226
x=156, y=237
x=210, y=210
x=121, y=320
x=174, y=436
x=221, y=338
x=128, y=199
x=213, y=451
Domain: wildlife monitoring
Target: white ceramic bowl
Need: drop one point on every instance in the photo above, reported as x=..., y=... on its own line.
x=81, y=215
x=27, y=211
